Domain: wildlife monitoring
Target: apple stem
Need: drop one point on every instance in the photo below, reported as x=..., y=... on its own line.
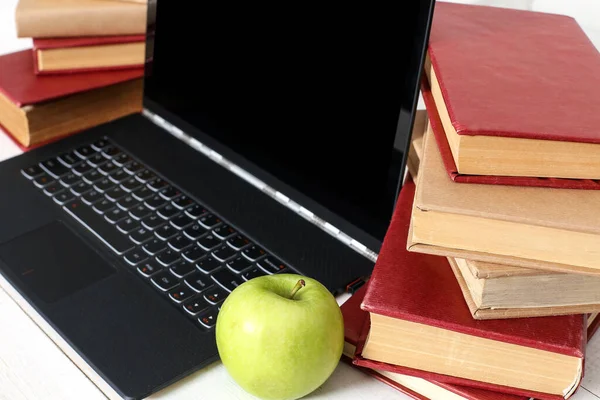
x=298, y=286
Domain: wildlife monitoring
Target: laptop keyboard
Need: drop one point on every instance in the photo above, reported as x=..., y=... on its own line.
x=190, y=255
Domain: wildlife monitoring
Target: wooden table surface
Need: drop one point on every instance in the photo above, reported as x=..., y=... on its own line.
x=32, y=366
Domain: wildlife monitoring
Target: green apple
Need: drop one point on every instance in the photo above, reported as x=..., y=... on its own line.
x=280, y=336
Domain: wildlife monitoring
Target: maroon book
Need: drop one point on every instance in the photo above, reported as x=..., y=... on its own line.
x=514, y=74
x=354, y=321
x=422, y=289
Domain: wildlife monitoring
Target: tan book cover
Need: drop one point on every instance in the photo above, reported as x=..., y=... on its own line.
x=540, y=228
x=69, y=18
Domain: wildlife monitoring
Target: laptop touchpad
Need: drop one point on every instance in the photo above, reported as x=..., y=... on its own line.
x=53, y=262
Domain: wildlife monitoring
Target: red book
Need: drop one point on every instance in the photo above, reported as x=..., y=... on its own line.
x=425, y=328
x=87, y=54
x=421, y=389
x=35, y=110
x=512, y=91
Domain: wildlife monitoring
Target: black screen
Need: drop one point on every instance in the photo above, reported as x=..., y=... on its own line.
x=315, y=95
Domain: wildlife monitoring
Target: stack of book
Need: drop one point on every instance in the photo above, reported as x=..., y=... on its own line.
x=85, y=68
x=487, y=285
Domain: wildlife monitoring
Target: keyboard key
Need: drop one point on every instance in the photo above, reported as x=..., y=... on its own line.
x=140, y=212
x=153, y=221
x=63, y=197
x=207, y=264
x=195, y=306
x=179, y=243
x=140, y=235
x=196, y=211
x=215, y=295
x=169, y=193
x=121, y=159
x=227, y=279
x=85, y=152
x=223, y=231
x=100, y=144
x=135, y=257
x=42, y=181
x=115, y=215
x=209, y=221
x=181, y=221
x=223, y=253
x=144, y=176
x=154, y=246
x=208, y=242
x=99, y=226
x=143, y=193
x=133, y=168
x=91, y=197
x=157, y=184
x=131, y=184
x=194, y=231
x=167, y=211
x=155, y=202
x=32, y=172
x=115, y=194
x=183, y=202
x=118, y=176
x=80, y=188
x=198, y=282
x=69, y=180
x=110, y=152
x=103, y=206
x=238, y=264
x=208, y=319
x=127, y=203
x=253, y=252
x=164, y=281
x=69, y=159
x=128, y=225
x=96, y=160
x=253, y=273
x=93, y=177
x=271, y=265
x=149, y=268
x=182, y=269
x=82, y=169
x=108, y=168
x=193, y=254
x=238, y=242
x=53, y=188
x=181, y=294
x=168, y=257
x=103, y=185
x=165, y=232
x=54, y=168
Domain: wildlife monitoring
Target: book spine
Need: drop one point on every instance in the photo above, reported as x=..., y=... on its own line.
x=83, y=21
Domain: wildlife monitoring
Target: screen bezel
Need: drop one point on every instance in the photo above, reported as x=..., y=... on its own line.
x=416, y=56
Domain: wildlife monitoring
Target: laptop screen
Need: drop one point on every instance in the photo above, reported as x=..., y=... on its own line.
x=320, y=96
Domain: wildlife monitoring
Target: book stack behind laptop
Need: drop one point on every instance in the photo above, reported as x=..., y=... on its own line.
x=487, y=285
x=85, y=68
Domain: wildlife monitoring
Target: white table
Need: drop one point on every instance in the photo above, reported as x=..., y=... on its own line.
x=32, y=366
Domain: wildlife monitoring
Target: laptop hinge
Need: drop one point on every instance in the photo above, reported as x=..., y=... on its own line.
x=262, y=186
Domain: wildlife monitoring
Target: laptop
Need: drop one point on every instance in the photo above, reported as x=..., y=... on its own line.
x=272, y=140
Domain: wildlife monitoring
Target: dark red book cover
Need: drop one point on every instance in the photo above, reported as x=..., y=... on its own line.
x=421, y=288
x=522, y=67
x=70, y=42
x=515, y=73
x=354, y=321
x=20, y=85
